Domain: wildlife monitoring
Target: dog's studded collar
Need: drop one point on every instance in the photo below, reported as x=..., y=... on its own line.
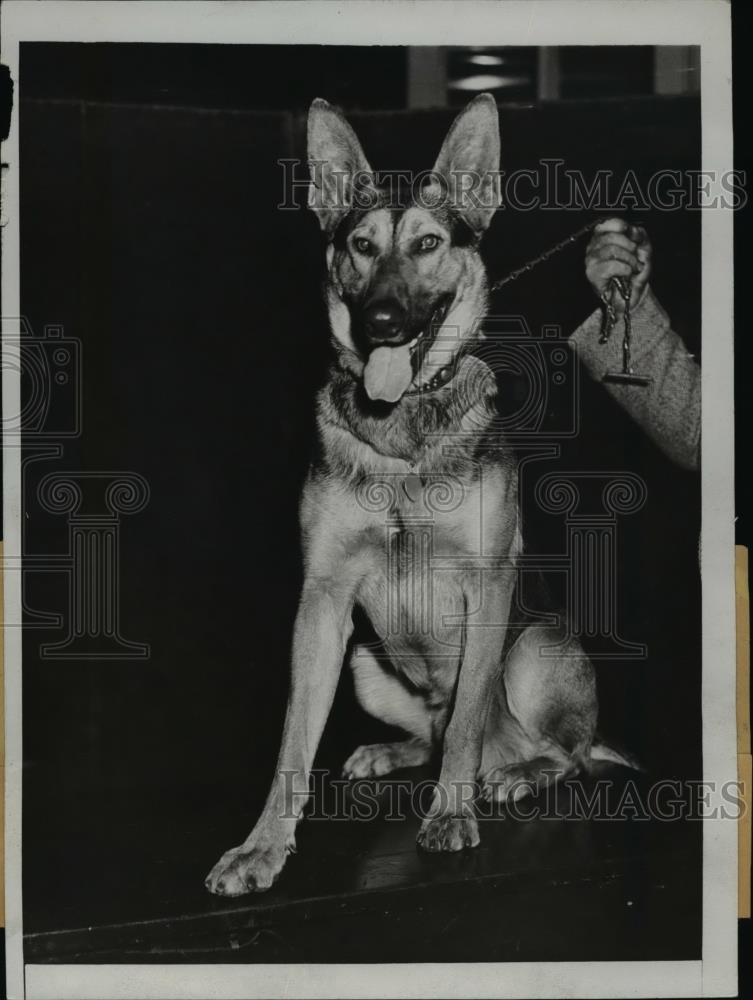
x=438, y=380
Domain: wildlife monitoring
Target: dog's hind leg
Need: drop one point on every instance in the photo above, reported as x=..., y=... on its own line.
x=542, y=723
x=385, y=696
x=514, y=781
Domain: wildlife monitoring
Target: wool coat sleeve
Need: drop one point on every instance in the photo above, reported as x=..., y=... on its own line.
x=669, y=409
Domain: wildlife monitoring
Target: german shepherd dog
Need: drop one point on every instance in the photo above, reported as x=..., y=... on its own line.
x=402, y=444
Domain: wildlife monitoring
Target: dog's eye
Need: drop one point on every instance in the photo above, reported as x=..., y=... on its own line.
x=363, y=246
x=428, y=243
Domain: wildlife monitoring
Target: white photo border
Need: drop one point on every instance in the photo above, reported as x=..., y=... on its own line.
x=430, y=22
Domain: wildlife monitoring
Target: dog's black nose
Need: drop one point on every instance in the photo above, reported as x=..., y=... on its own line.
x=384, y=321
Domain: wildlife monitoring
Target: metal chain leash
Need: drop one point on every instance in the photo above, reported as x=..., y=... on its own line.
x=617, y=285
x=623, y=287
x=542, y=257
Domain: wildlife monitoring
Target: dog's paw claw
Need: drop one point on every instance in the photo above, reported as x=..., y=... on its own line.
x=245, y=869
x=448, y=833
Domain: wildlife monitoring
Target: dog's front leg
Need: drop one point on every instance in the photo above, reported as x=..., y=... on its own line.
x=450, y=824
x=322, y=629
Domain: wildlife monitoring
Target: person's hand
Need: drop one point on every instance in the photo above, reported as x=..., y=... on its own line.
x=619, y=249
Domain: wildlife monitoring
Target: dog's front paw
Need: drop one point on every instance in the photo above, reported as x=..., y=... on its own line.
x=448, y=833
x=246, y=869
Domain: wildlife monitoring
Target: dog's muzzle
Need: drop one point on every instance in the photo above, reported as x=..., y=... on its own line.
x=394, y=360
x=384, y=322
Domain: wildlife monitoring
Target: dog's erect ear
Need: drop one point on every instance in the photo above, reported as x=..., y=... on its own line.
x=468, y=162
x=337, y=164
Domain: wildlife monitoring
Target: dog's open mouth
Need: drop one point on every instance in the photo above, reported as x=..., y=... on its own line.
x=389, y=371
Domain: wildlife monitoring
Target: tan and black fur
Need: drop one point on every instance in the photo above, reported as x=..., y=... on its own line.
x=398, y=274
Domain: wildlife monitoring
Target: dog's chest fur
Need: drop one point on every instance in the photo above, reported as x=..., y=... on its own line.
x=431, y=493
x=433, y=433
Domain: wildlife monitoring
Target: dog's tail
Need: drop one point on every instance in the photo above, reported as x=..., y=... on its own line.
x=603, y=752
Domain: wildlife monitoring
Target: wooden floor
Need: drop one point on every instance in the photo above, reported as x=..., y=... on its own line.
x=548, y=889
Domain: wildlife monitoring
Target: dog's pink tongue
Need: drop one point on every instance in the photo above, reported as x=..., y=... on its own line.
x=388, y=373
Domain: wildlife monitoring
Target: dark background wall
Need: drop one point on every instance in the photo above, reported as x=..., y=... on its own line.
x=281, y=78
x=150, y=232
